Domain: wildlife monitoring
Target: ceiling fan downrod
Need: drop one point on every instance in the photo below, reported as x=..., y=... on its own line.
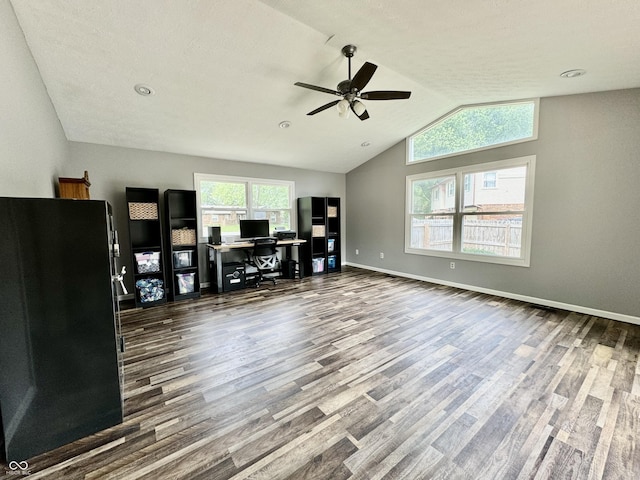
x=349, y=51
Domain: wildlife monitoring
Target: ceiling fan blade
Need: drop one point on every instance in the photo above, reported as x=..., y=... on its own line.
x=362, y=76
x=323, y=107
x=318, y=89
x=385, y=95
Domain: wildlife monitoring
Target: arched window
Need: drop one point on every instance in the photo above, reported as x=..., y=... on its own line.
x=475, y=127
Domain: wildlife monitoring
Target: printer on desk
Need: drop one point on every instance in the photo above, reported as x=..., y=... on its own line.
x=284, y=234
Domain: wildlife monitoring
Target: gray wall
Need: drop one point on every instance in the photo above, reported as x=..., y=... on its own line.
x=111, y=169
x=585, y=223
x=32, y=143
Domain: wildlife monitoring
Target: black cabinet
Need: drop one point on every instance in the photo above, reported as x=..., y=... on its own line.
x=59, y=376
x=319, y=225
x=147, y=253
x=182, y=245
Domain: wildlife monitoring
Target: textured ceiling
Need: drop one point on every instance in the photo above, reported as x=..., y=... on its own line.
x=223, y=71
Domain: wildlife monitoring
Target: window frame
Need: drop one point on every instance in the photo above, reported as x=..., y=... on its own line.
x=459, y=215
x=409, y=160
x=248, y=185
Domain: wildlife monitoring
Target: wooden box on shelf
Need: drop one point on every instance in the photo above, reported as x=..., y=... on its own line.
x=77, y=188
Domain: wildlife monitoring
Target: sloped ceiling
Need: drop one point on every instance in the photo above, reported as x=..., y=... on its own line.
x=223, y=71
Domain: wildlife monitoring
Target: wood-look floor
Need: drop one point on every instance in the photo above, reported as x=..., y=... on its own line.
x=362, y=375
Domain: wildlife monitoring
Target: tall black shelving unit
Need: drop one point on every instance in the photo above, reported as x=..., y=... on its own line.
x=334, y=257
x=147, y=252
x=319, y=225
x=182, y=245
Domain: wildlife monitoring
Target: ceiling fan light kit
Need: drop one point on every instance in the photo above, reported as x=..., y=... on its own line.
x=351, y=90
x=358, y=107
x=343, y=108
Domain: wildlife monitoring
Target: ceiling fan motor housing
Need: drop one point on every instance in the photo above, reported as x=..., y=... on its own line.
x=344, y=87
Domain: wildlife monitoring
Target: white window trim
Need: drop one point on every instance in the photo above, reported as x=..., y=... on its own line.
x=409, y=140
x=525, y=258
x=249, y=182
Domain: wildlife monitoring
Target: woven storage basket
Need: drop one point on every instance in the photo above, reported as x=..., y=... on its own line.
x=143, y=211
x=332, y=212
x=317, y=230
x=183, y=236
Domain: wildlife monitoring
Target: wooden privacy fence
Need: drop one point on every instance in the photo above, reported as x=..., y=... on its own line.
x=488, y=237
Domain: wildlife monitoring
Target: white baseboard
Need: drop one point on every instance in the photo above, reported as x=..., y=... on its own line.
x=514, y=296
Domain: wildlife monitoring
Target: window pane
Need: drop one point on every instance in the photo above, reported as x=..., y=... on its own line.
x=223, y=194
x=475, y=127
x=495, y=191
x=432, y=232
x=430, y=195
x=494, y=235
x=222, y=204
x=270, y=196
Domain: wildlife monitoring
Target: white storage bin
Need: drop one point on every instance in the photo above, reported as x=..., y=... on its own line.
x=148, y=262
x=186, y=282
x=317, y=265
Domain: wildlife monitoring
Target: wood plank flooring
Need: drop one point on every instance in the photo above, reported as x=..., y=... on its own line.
x=361, y=375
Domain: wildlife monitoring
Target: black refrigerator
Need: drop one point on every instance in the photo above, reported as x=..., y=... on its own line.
x=60, y=340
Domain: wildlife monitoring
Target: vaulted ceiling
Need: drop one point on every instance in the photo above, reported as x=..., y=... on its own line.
x=223, y=71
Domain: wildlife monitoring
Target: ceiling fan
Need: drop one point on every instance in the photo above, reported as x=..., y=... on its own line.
x=351, y=90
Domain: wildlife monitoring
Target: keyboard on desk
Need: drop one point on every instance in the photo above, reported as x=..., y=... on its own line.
x=249, y=240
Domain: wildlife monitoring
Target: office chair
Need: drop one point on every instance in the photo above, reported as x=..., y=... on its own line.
x=264, y=258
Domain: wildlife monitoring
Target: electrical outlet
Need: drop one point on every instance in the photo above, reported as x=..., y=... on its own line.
x=452, y=265
x=357, y=252
x=381, y=255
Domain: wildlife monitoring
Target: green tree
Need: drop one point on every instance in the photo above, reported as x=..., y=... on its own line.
x=273, y=197
x=218, y=194
x=422, y=195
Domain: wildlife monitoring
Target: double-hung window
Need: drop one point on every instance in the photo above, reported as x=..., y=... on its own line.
x=487, y=219
x=223, y=201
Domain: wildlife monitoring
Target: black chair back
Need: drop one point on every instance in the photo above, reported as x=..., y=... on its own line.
x=263, y=247
x=264, y=258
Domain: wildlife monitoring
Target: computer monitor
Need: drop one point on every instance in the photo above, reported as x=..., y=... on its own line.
x=254, y=228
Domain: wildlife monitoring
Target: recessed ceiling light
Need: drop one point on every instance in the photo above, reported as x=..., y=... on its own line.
x=284, y=124
x=578, y=72
x=365, y=144
x=143, y=90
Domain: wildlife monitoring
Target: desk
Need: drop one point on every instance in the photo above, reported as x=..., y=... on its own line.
x=227, y=247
